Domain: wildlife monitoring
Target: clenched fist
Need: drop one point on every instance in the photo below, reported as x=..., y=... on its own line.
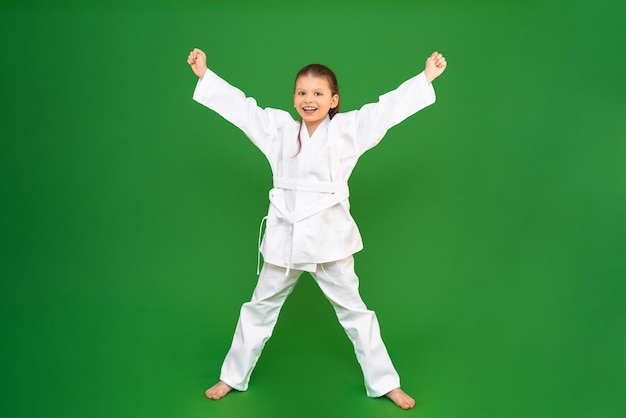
x=435, y=65
x=197, y=60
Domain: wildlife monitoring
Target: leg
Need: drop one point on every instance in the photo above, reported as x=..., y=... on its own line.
x=341, y=286
x=254, y=327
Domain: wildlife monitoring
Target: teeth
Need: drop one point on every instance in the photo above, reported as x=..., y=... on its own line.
x=310, y=108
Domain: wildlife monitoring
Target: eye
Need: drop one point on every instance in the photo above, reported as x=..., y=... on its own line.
x=300, y=93
x=317, y=93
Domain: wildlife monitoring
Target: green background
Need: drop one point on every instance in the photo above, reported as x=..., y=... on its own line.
x=494, y=221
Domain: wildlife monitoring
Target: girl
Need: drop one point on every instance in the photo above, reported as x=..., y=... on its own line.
x=309, y=226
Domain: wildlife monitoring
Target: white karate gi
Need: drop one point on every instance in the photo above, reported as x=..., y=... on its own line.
x=309, y=226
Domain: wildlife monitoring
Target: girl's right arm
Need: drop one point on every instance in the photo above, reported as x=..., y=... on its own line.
x=260, y=125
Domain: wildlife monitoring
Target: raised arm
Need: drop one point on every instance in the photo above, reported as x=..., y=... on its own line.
x=260, y=125
x=374, y=119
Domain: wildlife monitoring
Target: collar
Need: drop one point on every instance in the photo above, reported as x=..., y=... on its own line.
x=304, y=132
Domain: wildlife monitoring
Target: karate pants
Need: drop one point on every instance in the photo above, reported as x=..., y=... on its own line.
x=340, y=285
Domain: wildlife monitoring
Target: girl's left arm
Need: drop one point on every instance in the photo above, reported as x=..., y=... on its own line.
x=374, y=119
x=392, y=108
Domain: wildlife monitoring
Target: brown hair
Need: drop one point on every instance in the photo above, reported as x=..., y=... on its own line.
x=319, y=70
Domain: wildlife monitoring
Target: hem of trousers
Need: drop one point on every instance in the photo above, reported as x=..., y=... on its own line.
x=238, y=388
x=378, y=394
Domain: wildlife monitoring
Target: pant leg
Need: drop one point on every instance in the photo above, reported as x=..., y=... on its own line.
x=340, y=284
x=256, y=324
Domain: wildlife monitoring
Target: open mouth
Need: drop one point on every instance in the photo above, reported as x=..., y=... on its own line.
x=309, y=109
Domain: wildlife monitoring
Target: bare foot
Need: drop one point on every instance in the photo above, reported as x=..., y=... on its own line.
x=219, y=390
x=401, y=399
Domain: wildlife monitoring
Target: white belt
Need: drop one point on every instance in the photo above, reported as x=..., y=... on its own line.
x=309, y=186
x=319, y=205
x=336, y=193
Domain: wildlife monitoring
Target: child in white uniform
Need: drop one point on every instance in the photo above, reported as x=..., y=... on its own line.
x=309, y=226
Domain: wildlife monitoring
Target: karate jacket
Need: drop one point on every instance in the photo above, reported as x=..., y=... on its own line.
x=309, y=219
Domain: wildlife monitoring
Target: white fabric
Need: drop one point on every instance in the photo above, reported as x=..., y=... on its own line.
x=309, y=226
x=309, y=186
x=340, y=285
x=328, y=157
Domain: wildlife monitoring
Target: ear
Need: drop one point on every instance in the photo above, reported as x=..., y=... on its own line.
x=334, y=101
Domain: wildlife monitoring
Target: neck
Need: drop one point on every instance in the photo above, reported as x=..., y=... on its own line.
x=311, y=127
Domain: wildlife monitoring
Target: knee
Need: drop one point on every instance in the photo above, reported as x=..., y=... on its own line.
x=258, y=308
x=358, y=314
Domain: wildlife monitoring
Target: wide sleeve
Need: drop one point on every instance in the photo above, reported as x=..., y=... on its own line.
x=374, y=119
x=260, y=125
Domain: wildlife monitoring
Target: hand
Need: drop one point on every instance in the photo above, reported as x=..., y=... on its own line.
x=197, y=60
x=435, y=65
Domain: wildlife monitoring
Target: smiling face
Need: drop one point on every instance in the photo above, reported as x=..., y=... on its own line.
x=313, y=99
